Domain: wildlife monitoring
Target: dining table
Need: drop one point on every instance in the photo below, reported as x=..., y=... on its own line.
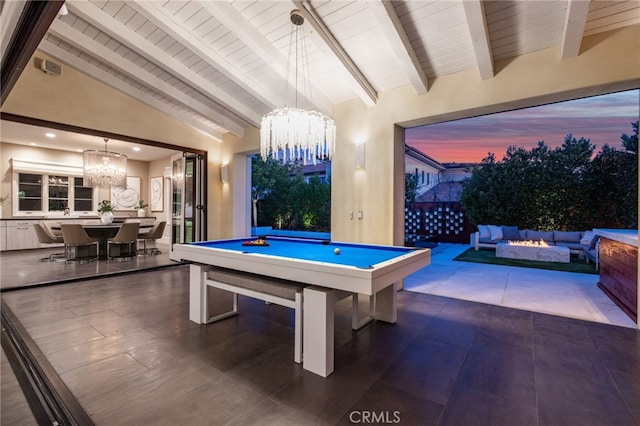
x=102, y=233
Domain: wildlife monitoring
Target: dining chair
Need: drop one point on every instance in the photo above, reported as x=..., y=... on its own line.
x=75, y=238
x=127, y=236
x=49, y=227
x=155, y=233
x=45, y=237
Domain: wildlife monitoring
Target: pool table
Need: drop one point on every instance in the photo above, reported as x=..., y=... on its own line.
x=329, y=268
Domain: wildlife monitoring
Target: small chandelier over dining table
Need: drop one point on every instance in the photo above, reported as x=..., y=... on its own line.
x=104, y=169
x=294, y=133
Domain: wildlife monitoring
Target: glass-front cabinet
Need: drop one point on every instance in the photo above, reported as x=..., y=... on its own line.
x=58, y=192
x=47, y=188
x=29, y=192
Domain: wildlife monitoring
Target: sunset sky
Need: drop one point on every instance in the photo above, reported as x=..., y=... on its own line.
x=602, y=119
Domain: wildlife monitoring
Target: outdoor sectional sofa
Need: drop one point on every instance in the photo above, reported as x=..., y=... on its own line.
x=582, y=243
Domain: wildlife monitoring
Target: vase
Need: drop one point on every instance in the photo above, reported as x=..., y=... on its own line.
x=141, y=213
x=106, y=218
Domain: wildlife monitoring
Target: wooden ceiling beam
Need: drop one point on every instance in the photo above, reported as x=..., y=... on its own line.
x=231, y=18
x=361, y=85
x=477, y=23
x=391, y=26
x=213, y=130
x=118, y=31
x=574, y=23
x=167, y=23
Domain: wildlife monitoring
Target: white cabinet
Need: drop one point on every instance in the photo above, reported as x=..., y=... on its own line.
x=20, y=235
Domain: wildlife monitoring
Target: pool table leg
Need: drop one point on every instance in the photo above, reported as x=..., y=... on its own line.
x=386, y=304
x=197, y=293
x=318, y=329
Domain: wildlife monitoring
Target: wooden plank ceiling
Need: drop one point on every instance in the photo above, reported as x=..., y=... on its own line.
x=220, y=65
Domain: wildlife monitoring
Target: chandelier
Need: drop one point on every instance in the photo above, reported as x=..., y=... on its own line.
x=102, y=169
x=296, y=133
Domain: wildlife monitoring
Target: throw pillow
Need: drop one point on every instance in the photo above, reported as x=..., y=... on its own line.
x=510, y=233
x=592, y=246
x=572, y=237
x=483, y=230
x=496, y=232
x=537, y=236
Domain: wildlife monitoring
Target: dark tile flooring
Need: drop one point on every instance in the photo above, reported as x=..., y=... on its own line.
x=126, y=349
x=20, y=268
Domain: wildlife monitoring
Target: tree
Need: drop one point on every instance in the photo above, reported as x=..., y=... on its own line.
x=315, y=205
x=410, y=187
x=611, y=183
x=563, y=188
x=282, y=199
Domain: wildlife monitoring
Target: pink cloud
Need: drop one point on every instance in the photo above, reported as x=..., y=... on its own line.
x=601, y=119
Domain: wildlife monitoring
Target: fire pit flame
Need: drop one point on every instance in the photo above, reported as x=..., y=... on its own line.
x=528, y=243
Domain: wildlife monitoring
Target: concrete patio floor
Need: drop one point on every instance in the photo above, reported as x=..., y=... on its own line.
x=564, y=294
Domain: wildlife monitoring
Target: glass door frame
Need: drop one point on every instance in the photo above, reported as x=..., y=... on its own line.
x=189, y=188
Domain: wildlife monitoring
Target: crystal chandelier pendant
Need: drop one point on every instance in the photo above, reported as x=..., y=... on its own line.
x=297, y=134
x=294, y=134
x=104, y=169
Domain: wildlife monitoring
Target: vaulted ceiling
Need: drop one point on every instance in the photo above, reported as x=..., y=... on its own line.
x=220, y=65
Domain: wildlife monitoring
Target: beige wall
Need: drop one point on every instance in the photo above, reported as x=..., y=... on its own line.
x=25, y=152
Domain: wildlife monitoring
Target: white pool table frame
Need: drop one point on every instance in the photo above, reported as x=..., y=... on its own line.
x=325, y=280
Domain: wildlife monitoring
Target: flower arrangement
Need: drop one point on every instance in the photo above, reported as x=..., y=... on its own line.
x=141, y=205
x=105, y=206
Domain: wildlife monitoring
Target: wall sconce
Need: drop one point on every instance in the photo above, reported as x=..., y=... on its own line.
x=360, y=156
x=224, y=173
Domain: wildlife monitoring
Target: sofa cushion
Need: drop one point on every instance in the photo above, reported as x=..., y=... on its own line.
x=594, y=241
x=573, y=237
x=483, y=230
x=571, y=245
x=486, y=241
x=496, y=232
x=510, y=233
x=537, y=235
x=587, y=237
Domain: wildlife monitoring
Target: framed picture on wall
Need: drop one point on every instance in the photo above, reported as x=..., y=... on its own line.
x=157, y=190
x=126, y=198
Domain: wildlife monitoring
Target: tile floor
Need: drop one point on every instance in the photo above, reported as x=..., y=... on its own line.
x=126, y=349
x=22, y=268
x=124, y=346
x=552, y=292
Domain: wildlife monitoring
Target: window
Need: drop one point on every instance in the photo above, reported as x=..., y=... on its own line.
x=58, y=192
x=83, y=200
x=29, y=192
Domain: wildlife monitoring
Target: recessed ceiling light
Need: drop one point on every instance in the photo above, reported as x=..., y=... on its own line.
x=50, y=135
x=136, y=149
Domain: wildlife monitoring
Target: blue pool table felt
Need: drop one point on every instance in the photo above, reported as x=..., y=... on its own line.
x=357, y=255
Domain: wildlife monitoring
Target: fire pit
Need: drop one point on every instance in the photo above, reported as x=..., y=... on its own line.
x=533, y=250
